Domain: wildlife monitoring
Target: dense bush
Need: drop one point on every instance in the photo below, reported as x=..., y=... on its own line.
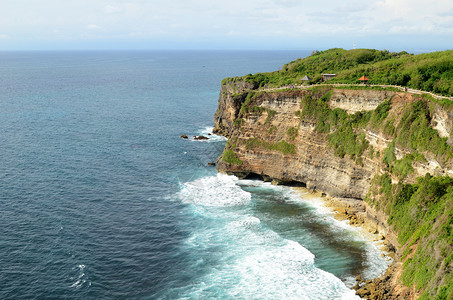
x=431, y=72
x=422, y=214
x=415, y=133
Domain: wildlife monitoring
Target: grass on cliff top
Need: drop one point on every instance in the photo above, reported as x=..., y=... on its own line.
x=432, y=72
x=422, y=215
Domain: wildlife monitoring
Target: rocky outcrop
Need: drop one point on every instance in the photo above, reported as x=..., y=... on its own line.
x=230, y=101
x=442, y=121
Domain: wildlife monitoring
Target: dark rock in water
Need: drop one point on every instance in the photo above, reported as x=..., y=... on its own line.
x=209, y=134
x=200, y=137
x=184, y=136
x=211, y=163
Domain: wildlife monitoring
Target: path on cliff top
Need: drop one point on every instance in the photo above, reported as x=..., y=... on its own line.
x=403, y=89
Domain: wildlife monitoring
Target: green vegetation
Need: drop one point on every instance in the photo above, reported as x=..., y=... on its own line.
x=368, y=87
x=389, y=154
x=270, y=114
x=292, y=133
x=246, y=105
x=230, y=157
x=282, y=146
x=345, y=141
x=343, y=130
x=258, y=80
x=431, y=72
x=415, y=133
x=422, y=214
x=403, y=167
x=420, y=210
x=272, y=129
x=345, y=133
x=238, y=122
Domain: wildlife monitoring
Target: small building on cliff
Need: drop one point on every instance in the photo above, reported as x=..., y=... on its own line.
x=306, y=79
x=325, y=77
x=364, y=79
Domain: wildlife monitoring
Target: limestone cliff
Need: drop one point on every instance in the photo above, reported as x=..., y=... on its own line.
x=274, y=117
x=312, y=163
x=337, y=141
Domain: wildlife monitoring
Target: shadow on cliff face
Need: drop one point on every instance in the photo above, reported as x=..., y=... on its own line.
x=265, y=178
x=335, y=248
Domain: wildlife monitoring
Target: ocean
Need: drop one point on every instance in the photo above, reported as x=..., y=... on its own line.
x=101, y=198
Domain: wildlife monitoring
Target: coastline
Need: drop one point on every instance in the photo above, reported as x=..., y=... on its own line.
x=373, y=228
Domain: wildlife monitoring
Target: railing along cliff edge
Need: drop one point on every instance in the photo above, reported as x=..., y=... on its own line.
x=401, y=88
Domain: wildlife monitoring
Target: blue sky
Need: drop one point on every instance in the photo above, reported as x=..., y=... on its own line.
x=232, y=24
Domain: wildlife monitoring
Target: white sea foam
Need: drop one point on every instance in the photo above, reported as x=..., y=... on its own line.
x=220, y=190
x=207, y=132
x=241, y=258
x=256, y=263
x=376, y=264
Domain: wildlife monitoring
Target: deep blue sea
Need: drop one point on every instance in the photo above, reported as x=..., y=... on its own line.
x=100, y=198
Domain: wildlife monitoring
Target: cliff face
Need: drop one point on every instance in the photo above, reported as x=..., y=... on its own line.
x=372, y=145
x=353, y=101
x=230, y=101
x=313, y=161
x=270, y=138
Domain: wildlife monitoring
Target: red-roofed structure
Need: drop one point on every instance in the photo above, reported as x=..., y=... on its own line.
x=363, y=78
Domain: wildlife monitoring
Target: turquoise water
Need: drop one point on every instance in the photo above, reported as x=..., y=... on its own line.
x=101, y=198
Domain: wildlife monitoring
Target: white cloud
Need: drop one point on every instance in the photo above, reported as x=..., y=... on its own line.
x=412, y=16
x=179, y=19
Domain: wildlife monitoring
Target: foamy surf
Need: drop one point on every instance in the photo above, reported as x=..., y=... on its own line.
x=376, y=263
x=220, y=190
x=239, y=257
x=207, y=132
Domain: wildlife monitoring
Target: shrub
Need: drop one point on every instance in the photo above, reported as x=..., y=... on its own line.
x=230, y=157
x=270, y=115
x=292, y=132
x=422, y=214
x=282, y=146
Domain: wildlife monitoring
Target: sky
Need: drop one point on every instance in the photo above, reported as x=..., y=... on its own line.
x=232, y=24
